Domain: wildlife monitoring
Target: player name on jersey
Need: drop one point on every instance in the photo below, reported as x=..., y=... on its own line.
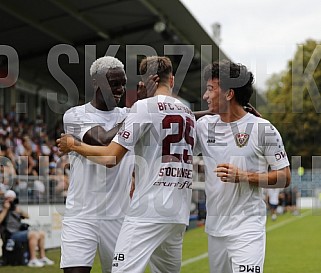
x=176, y=172
x=174, y=107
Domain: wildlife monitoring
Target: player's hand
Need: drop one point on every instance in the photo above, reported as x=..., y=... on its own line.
x=230, y=173
x=148, y=88
x=251, y=109
x=66, y=143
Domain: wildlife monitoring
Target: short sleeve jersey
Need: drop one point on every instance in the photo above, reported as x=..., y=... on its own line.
x=96, y=192
x=252, y=144
x=161, y=132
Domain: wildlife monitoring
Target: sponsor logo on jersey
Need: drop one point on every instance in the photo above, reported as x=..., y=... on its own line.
x=124, y=134
x=118, y=257
x=280, y=155
x=241, y=139
x=179, y=185
x=250, y=268
x=211, y=140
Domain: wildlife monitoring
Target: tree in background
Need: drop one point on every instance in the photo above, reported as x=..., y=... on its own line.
x=294, y=103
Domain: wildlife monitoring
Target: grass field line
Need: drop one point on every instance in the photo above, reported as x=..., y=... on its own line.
x=195, y=259
x=276, y=226
x=290, y=220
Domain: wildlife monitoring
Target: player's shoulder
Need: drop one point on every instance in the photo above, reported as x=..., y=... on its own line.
x=75, y=111
x=264, y=127
x=121, y=110
x=259, y=121
x=149, y=104
x=79, y=108
x=138, y=105
x=256, y=119
x=262, y=122
x=208, y=119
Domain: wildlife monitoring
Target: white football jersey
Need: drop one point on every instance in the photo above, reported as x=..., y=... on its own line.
x=161, y=132
x=96, y=192
x=252, y=144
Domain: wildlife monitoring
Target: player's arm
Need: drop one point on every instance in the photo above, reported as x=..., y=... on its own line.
x=98, y=136
x=108, y=156
x=251, y=109
x=272, y=179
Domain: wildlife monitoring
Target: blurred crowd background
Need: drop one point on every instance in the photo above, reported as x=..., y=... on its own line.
x=30, y=162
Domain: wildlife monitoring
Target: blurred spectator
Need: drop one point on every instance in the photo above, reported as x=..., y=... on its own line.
x=201, y=171
x=21, y=188
x=27, y=149
x=62, y=185
x=273, y=201
x=7, y=167
x=10, y=219
x=38, y=191
x=198, y=169
x=52, y=180
x=291, y=196
x=3, y=189
x=24, y=151
x=58, y=183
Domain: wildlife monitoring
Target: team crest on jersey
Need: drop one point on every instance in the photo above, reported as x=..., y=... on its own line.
x=241, y=139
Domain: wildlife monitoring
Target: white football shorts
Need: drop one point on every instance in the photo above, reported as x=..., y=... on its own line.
x=80, y=240
x=140, y=243
x=237, y=253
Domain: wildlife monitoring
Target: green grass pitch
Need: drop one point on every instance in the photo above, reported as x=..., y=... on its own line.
x=293, y=246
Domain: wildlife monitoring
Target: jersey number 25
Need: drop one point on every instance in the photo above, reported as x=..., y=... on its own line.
x=183, y=132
